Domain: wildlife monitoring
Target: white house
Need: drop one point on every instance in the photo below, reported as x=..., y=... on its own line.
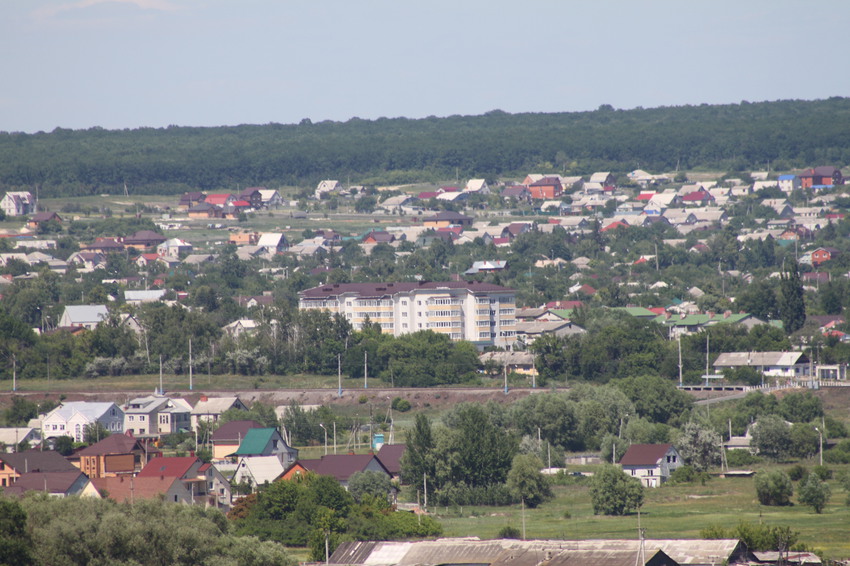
x=18, y=203
x=326, y=186
x=652, y=464
x=271, y=198
x=209, y=409
x=273, y=242
x=173, y=247
x=71, y=418
x=83, y=316
x=257, y=470
x=156, y=415
x=477, y=186
x=771, y=364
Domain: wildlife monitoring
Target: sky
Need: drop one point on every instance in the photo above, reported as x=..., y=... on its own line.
x=152, y=63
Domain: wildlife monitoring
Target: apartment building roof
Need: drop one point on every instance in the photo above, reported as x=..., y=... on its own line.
x=385, y=289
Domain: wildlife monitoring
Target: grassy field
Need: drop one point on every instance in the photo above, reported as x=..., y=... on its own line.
x=668, y=512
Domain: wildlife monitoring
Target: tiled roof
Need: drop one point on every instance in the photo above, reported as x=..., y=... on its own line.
x=112, y=444
x=123, y=489
x=390, y=456
x=234, y=431
x=340, y=466
x=644, y=454
x=174, y=467
x=37, y=461
x=50, y=482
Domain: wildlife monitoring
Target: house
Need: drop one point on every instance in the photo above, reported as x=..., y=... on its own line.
x=491, y=266
x=604, y=178
x=87, y=261
x=144, y=239
x=378, y=237
x=771, y=364
x=227, y=438
x=253, y=196
x=14, y=437
x=266, y=442
x=174, y=248
x=652, y=464
x=511, y=361
x=257, y=470
x=146, y=261
x=220, y=200
x=18, y=203
x=339, y=466
x=477, y=186
x=210, y=409
x=447, y=218
x=205, y=210
x=326, y=187
x=271, y=198
x=156, y=415
x=115, y=455
x=190, y=199
x=203, y=481
x=72, y=417
x=13, y=465
x=274, y=242
x=41, y=217
x=241, y=326
x=823, y=254
x=546, y=188
x=128, y=489
x=390, y=456
x=55, y=484
x=518, y=193
x=528, y=332
x=821, y=176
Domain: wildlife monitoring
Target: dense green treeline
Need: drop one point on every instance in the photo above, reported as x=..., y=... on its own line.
x=170, y=160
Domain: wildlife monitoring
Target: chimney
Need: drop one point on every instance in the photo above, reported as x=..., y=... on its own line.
x=727, y=314
x=710, y=314
x=666, y=315
x=204, y=398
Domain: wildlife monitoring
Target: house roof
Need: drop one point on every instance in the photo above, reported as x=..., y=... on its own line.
x=388, y=289
x=644, y=454
x=112, y=444
x=89, y=410
x=37, y=461
x=214, y=405
x=122, y=488
x=340, y=466
x=390, y=456
x=736, y=359
x=79, y=314
x=175, y=467
x=50, y=482
x=261, y=468
x=233, y=431
x=255, y=441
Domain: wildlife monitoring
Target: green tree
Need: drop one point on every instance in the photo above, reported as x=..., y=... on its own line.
x=369, y=486
x=814, y=492
x=612, y=492
x=655, y=397
x=418, y=459
x=774, y=488
x=792, y=307
x=699, y=446
x=804, y=440
x=771, y=437
x=15, y=540
x=526, y=482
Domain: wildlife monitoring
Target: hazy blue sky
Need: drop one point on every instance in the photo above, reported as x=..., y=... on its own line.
x=130, y=63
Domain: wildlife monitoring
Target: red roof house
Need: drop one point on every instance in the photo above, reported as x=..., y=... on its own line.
x=652, y=464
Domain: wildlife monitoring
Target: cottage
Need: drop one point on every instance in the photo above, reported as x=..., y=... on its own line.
x=71, y=419
x=339, y=466
x=210, y=409
x=18, y=203
x=227, y=438
x=16, y=464
x=266, y=442
x=652, y=464
x=156, y=415
x=114, y=455
x=255, y=471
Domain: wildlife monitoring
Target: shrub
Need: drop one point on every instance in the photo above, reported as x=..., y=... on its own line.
x=509, y=532
x=612, y=492
x=400, y=405
x=815, y=493
x=687, y=474
x=797, y=472
x=738, y=458
x=822, y=472
x=774, y=488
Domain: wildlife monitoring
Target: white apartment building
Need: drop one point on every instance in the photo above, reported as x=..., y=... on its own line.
x=482, y=313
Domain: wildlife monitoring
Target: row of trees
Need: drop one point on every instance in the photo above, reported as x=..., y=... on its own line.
x=400, y=150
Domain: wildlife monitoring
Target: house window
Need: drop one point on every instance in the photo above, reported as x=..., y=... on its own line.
x=175, y=499
x=649, y=473
x=274, y=444
x=131, y=418
x=141, y=417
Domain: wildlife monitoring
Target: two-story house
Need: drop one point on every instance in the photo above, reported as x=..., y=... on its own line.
x=156, y=415
x=266, y=442
x=652, y=464
x=71, y=419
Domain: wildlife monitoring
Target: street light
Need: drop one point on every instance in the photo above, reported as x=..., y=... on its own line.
x=326, y=438
x=820, y=438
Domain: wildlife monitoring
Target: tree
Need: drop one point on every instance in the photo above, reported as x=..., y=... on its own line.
x=612, y=492
x=699, y=446
x=15, y=541
x=814, y=492
x=774, y=488
x=417, y=461
x=369, y=485
x=64, y=445
x=804, y=440
x=94, y=432
x=655, y=398
x=771, y=437
x=526, y=482
x=792, y=307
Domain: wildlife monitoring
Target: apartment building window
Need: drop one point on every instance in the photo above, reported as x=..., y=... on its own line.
x=484, y=335
x=485, y=322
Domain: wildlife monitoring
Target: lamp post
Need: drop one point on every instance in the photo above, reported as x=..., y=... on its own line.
x=326, y=438
x=820, y=442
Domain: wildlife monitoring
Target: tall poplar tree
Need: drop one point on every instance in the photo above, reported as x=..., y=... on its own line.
x=792, y=307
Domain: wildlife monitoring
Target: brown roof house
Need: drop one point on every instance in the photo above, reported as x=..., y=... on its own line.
x=339, y=466
x=128, y=489
x=116, y=454
x=57, y=484
x=652, y=464
x=227, y=438
x=15, y=465
x=390, y=456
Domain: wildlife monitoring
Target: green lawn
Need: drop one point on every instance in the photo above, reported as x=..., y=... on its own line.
x=668, y=512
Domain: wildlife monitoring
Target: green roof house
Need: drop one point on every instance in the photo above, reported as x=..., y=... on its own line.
x=266, y=442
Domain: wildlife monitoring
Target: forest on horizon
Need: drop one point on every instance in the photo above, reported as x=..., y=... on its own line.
x=781, y=135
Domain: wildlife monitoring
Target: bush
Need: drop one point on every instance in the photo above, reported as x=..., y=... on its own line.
x=509, y=532
x=798, y=472
x=612, y=492
x=687, y=474
x=497, y=494
x=738, y=458
x=815, y=493
x=400, y=405
x=822, y=472
x=774, y=488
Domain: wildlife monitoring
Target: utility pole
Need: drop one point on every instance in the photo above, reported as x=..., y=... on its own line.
x=365, y=369
x=190, y=364
x=339, y=374
x=680, y=360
